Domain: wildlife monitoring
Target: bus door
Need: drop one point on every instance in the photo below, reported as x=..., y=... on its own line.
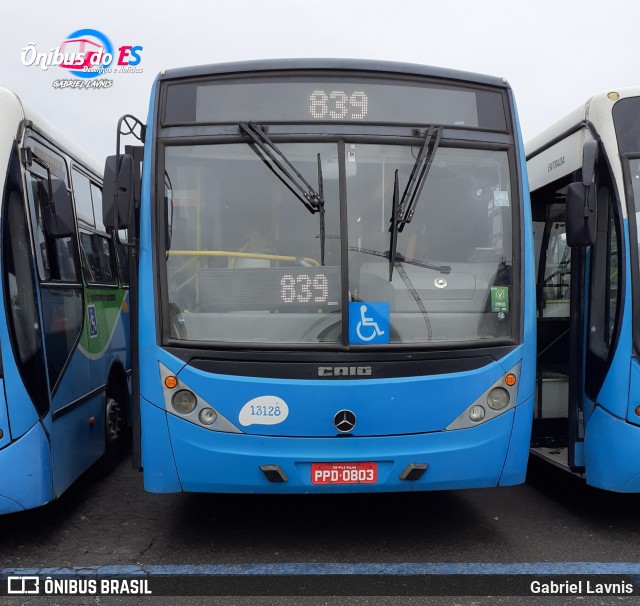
x=577, y=301
x=554, y=328
x=61, y=317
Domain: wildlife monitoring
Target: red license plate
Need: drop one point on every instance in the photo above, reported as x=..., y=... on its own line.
x=344, y=473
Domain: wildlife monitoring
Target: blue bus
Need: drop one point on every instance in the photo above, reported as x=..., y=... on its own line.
x=64, y=330
x=335, y=279
x=584, y=175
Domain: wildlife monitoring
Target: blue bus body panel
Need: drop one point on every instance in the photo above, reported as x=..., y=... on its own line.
x=515, y=466
x=612, y=452
x=115, y=348
x=26, y=472
x=222, y=462
x=611, y=441
x=21, y=411
x=76, y=443
x=149, y=353
x=634, y=392
x=179, y=455
x=382, y=407
x=528, y=292
x=74, y=383
x=160, y=474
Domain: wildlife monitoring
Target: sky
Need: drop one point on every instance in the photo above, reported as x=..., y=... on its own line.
x=555, y=53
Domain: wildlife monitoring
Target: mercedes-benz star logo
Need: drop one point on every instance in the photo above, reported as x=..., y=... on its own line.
x=344, y=421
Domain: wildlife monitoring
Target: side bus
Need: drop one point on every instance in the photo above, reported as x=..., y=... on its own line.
x=64, y=325
x=335, y=278
x=584, y=176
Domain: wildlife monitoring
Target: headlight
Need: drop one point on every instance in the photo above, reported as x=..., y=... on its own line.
x=207, y=416
x=498, y=398
x=476, y=413
x=183, y=401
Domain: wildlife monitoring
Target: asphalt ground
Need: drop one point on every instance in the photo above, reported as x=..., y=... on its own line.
x=357, y=545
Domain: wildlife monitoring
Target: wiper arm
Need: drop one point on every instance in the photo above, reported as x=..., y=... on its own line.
x=402, y=211
x=443, y=269
x=321, y=210
x=282, y=168
x=419, y=172
x=393, y=238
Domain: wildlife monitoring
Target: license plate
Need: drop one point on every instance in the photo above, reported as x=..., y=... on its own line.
x=344, y=473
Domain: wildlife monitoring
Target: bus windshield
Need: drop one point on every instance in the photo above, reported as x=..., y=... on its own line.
x=626, y=114
x=244, y=256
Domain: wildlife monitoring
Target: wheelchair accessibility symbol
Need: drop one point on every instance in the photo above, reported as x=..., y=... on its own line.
x=368, y=323
x=93, y=321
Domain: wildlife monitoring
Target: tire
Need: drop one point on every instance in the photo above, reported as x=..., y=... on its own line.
x=114, y=431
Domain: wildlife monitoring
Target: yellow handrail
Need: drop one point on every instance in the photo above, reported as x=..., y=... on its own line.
x=241, y=255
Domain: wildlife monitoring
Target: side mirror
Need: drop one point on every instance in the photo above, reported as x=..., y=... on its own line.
x=589, y=157
x=58, y=212
x=117, y=191
x=581, y=215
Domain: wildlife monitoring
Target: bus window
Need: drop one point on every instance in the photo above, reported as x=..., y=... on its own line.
x=98, y=262
x=557, y=273
x=55, y=256
x=96, y=196
x=123, y=257
x=82, y=195
x=24, y=311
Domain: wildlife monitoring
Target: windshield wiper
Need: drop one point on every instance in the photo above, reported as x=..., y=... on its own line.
x=282, y=168
x=443, y=269
x=321, y=209
x=402, y=211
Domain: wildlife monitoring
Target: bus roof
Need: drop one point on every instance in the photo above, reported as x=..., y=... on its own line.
x=13, y=111
x=590, y=111
x=379, y=67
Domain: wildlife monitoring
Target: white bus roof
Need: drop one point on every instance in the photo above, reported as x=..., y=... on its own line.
x=557, y=151
x=591, y=111
x=13, y=111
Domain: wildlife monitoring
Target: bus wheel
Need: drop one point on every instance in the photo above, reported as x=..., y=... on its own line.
x=113, y=433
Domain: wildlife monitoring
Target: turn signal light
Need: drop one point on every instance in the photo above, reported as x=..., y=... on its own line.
x=170, y=382
x=510, y=380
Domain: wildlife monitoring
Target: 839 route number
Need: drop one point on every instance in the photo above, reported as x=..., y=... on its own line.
x=338, y=105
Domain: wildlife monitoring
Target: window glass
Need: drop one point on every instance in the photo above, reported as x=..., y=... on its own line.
x=243, y=253
x=244, y=261
x=55, y=257
x=604, y=262
x=452, y=276
x=62, y=311
x=634, y=171
x=96, y=194
x=556, y=287
x=123, y=263
x=20, y=287
x=97, y=259
x=82, y=196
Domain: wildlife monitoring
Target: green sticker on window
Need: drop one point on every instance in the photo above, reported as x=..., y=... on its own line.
x=500, y=298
